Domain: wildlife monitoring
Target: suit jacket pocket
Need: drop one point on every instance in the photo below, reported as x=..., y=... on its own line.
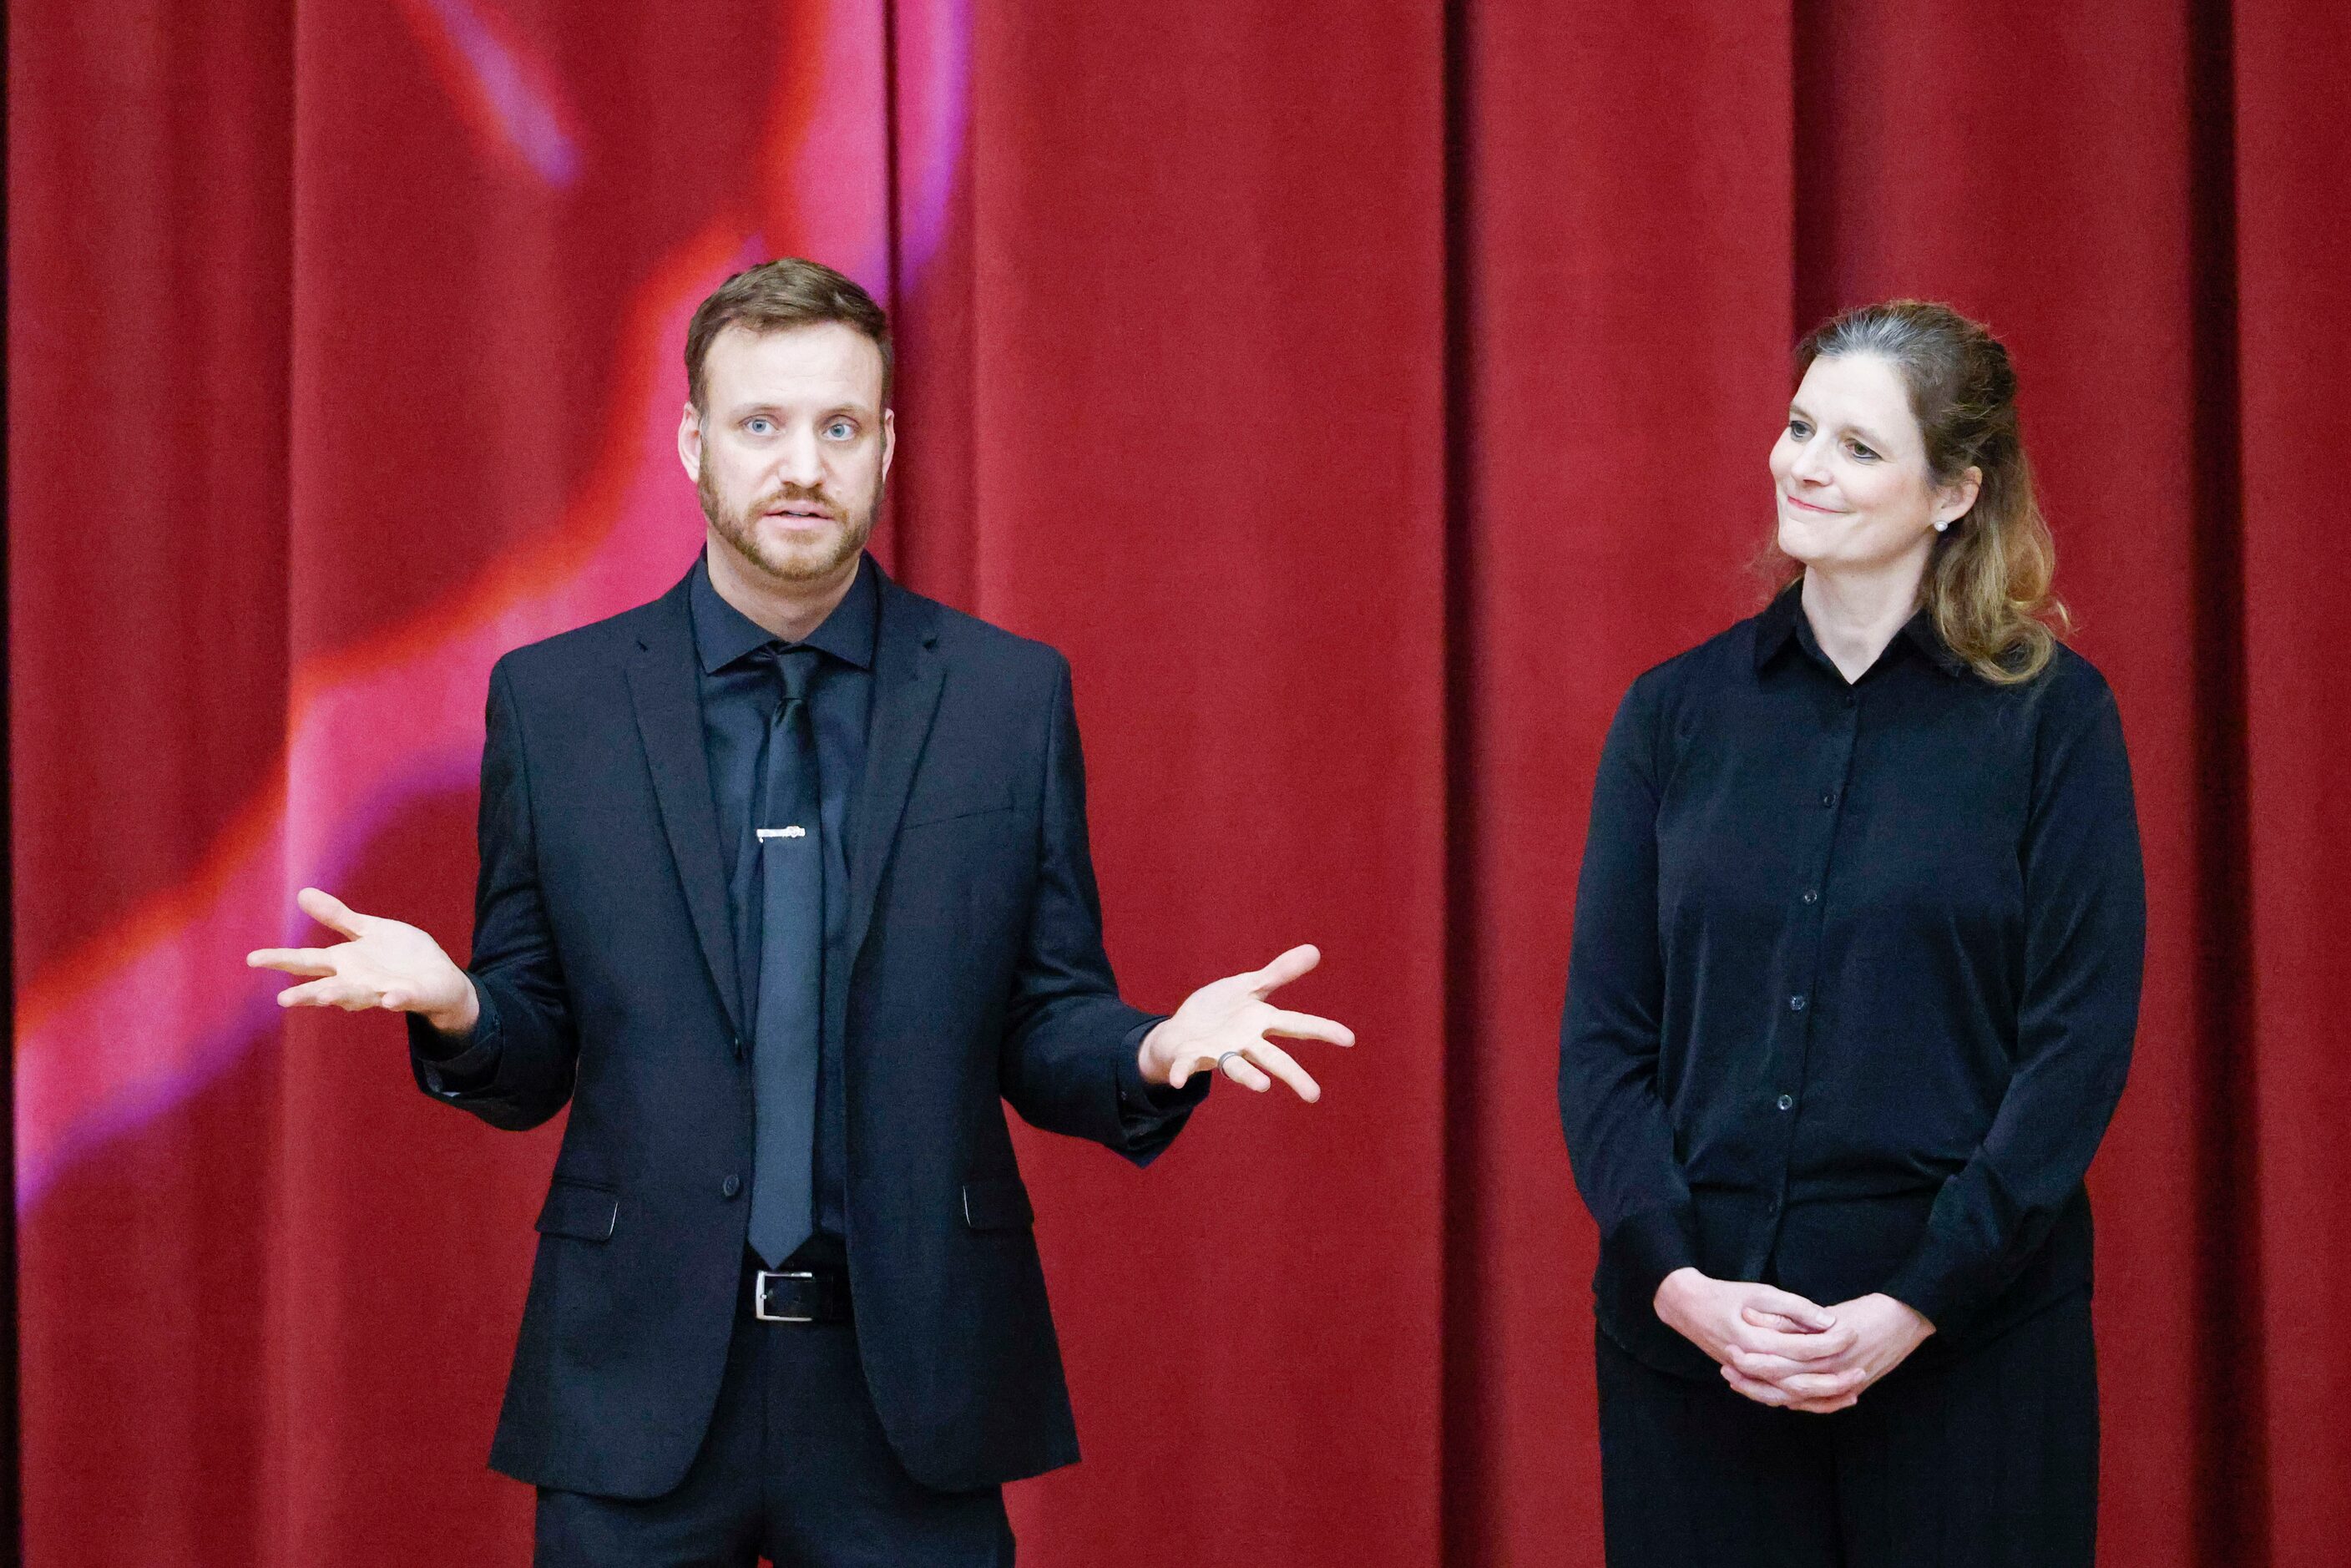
x=997, y=1202
x=581, y=1209
x=947, y=806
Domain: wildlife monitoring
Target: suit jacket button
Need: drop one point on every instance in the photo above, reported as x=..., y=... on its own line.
x=731, y=1186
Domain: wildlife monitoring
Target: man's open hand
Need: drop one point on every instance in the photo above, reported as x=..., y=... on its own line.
x=382, y=964
x=1228, y=1020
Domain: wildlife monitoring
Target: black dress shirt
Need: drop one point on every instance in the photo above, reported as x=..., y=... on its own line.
x=1854, y=979
x=739, y=690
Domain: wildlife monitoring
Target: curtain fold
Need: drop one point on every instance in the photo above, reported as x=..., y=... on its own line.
x=1361, y=394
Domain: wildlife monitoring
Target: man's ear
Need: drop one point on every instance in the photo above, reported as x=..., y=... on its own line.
x=889, y=439
x=689, y=442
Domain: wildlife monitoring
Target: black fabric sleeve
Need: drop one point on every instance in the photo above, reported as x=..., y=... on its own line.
x=1618, y=1138
x=2085, y=947
x=1066, y=1063
x=516, y=1070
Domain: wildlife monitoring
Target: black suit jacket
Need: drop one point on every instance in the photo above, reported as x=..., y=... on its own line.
x=973, y=974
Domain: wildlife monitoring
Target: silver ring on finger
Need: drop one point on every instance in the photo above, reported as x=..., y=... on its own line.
x=1227, y=1057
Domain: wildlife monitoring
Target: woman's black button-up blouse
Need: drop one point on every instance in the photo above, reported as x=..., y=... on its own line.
x=1854, y=977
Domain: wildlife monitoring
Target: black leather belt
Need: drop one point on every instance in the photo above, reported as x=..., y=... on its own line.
x=800, y=1296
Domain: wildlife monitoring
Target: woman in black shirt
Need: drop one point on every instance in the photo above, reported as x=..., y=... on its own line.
x=1856, y=973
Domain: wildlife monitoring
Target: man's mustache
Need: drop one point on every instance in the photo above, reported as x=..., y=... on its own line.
x=795, y=494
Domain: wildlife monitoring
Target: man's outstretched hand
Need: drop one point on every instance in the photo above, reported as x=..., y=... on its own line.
x=1231, y=1018
x=382, y=964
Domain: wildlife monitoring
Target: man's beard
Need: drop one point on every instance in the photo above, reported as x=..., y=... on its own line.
x=810, y=562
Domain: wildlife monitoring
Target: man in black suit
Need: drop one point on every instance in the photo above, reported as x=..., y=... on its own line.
x=785, y=889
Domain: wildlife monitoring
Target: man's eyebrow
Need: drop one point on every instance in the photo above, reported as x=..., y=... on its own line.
x=762, y=405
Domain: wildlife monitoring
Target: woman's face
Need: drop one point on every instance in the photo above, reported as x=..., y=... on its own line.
x=1850, y=469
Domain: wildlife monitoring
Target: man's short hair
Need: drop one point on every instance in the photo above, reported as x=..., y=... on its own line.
x=776, y=296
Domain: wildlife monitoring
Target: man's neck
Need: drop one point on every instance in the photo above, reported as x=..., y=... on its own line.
x=1854, y=615
x=788, y=610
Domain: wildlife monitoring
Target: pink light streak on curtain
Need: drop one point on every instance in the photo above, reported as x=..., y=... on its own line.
x=131, y=1025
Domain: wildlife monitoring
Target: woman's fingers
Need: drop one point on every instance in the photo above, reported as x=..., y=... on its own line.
x=1754, y=1388
x=1780, y=1396
x=1827, y=1345
x=1823, y=1385
x=1787, y=1304
x=1757, y=1364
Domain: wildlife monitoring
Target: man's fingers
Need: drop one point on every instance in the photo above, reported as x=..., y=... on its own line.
x=330, y=911
x=334, y=991
x=1286, y=968
x=1306, y=1026
x=1244, y=1072
x=292, y=960
x=1282, y=1065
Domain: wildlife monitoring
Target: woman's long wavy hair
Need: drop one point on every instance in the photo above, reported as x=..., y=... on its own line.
x=1988, y=581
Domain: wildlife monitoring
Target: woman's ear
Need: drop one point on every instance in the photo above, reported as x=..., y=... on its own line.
x=1956, y=499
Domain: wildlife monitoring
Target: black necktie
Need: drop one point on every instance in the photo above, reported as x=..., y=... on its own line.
x=789, y=821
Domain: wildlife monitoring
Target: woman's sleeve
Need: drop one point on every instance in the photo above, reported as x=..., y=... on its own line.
x=1618, y=1139
x=2085, y=944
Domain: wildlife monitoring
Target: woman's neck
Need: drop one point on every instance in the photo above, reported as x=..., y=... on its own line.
x=1853, y=614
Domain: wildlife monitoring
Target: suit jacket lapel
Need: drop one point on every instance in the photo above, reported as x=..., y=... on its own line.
x=907, y=675
x=669, y=721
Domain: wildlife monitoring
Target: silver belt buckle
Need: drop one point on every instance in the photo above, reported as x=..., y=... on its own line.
x=759, y=1295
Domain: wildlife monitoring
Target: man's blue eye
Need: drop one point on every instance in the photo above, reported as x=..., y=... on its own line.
x=840, y=429
x=758, y=426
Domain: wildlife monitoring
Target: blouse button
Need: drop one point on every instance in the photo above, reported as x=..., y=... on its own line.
x=1828, y=797
x=1812, y=895
x=730, y=1186
x=1787, y=1102
x=1795, y=1003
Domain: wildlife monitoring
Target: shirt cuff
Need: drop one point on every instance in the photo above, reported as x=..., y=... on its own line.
x=1141, y=1104
x=1933, y=1282
x=452, y=1065
x=1653, y=1243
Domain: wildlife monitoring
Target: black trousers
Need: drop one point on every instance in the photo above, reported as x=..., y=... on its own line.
x=795, y=1470
x=1988, y=1460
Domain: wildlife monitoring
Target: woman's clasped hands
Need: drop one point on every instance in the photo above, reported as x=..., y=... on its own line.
x=1778, y=1349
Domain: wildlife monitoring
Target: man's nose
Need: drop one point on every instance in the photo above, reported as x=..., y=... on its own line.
x=799, y=461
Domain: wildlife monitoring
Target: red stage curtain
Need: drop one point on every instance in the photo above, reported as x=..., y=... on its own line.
x=1361, y=394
